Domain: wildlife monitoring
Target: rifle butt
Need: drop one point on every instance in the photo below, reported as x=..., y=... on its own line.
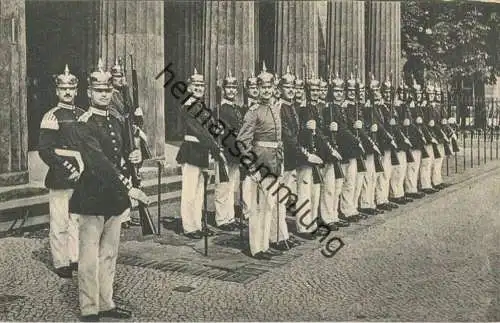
x=379, y=167
x=338, y=170
x=360, y=164
x=147, y=224
x=394, y=158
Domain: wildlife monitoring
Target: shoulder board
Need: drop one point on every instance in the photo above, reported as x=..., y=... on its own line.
x=345, y=104
x=85, y=116
x=190, y=101
x=49, y=120
x=81, y=110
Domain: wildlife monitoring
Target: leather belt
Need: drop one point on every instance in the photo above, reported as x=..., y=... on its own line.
x=191, y=138
x=268, y=144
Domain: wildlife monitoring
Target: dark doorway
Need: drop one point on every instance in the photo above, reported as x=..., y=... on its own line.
x=57, y=33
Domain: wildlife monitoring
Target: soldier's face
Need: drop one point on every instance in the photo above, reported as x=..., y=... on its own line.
x=387, y=95
x=288, y=92
x=276, y=91
x=100, y=97
x=431, y=96
x=118, y=81
x=230, y=92
x=253, y=91
x=338, y=95
x=66, y=95
x=377, y=95
x=198, y=90
x=299, y=93
x=323, y=93
x=438, y=97
x=266, y=91
x=351, y=94
x=362, y=95
x=314, y=92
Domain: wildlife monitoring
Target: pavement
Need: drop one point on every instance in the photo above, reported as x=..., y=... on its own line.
x=436, y=259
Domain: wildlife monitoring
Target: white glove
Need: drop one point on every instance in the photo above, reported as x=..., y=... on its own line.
x=336, y=154
x=139, y=195
x=314, y=159
x=311, y=124
x=451, y=120
x=444, y=121
x=393, y=144
x=358, y=124
x=374, y=127
x=419, y=120
x=412, y=104
x=375, y=147
x=334, y=126
x=431, y=123
x=392, y=122
x=406, y=122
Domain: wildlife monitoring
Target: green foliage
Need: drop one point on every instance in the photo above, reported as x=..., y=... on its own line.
x=452, y=40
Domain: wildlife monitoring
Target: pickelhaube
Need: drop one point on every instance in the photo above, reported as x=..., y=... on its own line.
x=196, y=79
x=351, y=83
x=313, y=81
x=66, y=80
x=360, y=84
x=230, y=80
x=374, y=84
x=117, y=69
x=299, y=83
x=251, y=81
x=287, y=78
x=323, y=84
x=387, y=85
x=265, y=78
x=429, y=89
x=100, y=79
x=338, y=83
x=276, y=79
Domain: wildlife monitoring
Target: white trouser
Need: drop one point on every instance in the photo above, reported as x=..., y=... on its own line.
x=99, y=241
x=412, y=172
x=330, y=195
x=225, y=196
x=382, y=184
x=63, y=229
x=259, y=222
x=347, y=205
x=308, y=197
x=192, y=197
x=247, y=197
x=367, y=194
x=426, y=168
x=398, y=176
x=360, y=178
x=438, y=166
x=279, y=227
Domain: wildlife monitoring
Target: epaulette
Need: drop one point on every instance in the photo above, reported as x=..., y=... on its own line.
x=85, y=116
x=80, y=109
x=49, y=120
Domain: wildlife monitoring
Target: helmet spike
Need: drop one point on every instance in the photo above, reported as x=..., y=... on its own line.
x=264, y=68
x=195, y=71
x=66, y=70
x=100, y=65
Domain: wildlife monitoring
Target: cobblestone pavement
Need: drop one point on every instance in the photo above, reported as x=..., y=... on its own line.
x=437, y=259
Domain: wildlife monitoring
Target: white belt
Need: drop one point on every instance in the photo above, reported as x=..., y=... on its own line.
x=191, y=138
x=72, y=153
x=268, y=144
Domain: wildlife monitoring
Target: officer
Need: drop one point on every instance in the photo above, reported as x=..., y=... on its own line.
x=231, y=115
x=59, y=150
x=260, y=138
x=279, y=236
x=427, y=163
x=194, y=155
x=101, y=197
x=121, y=103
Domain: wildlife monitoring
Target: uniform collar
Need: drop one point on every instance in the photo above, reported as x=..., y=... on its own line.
x=65, y=106
x=225, y=101
x=321, y=101
x=284, y=101
x=99, y=112
x=252, y=101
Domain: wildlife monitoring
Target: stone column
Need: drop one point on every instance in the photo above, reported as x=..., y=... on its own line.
x=297, y=35
x=13, y=100
x=229, y=43
x=129, y=27
x=384, y=40
x=346, y=41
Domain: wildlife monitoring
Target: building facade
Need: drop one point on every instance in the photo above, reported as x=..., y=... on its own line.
x=312, y=37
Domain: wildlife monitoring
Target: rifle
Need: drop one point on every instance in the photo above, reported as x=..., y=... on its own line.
x=394, y=153
x=336, y=163
x=405, y=134
x=146, y=220
x=379, y=167
x=222, y=175
x=360, y=160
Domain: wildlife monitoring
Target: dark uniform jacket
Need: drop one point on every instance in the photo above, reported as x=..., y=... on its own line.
x=232, y=117
x=346, y=139
x=412, y=132
x=197, y=119
x=104, y=185
x=262, y=122
x=315, y=143
x=290, y=125
x=58, y=147
x=381, y=115
x=358, y=113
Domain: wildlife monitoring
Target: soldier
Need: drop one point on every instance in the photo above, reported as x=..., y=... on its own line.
x=372, y=157
x=443, y=140
x=427, y=163
x=300, y=95
x=59, y=150
x=408, y=112
x=121, y=102
x=279, y=237
x=101, y=198
x=260, y=137
x=230, y=114
x=350, y=149
x=194, y=154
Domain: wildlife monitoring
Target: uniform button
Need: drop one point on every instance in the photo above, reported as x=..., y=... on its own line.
x=115, y=149
x=110, y=126
x=113, y=141
x=112, y=133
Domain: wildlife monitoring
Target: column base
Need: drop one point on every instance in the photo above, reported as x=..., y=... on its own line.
x=14, y=178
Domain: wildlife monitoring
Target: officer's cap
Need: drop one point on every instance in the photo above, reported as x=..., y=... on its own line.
x=66, y=80
x=351, y=83
x=265, y=78
x=196, y=79
x=230, y=80
x=117, y=69
x=287, y=78
x=100, y=79
x=338, y=83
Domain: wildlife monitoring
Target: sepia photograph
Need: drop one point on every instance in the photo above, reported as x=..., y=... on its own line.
x=249, y=161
